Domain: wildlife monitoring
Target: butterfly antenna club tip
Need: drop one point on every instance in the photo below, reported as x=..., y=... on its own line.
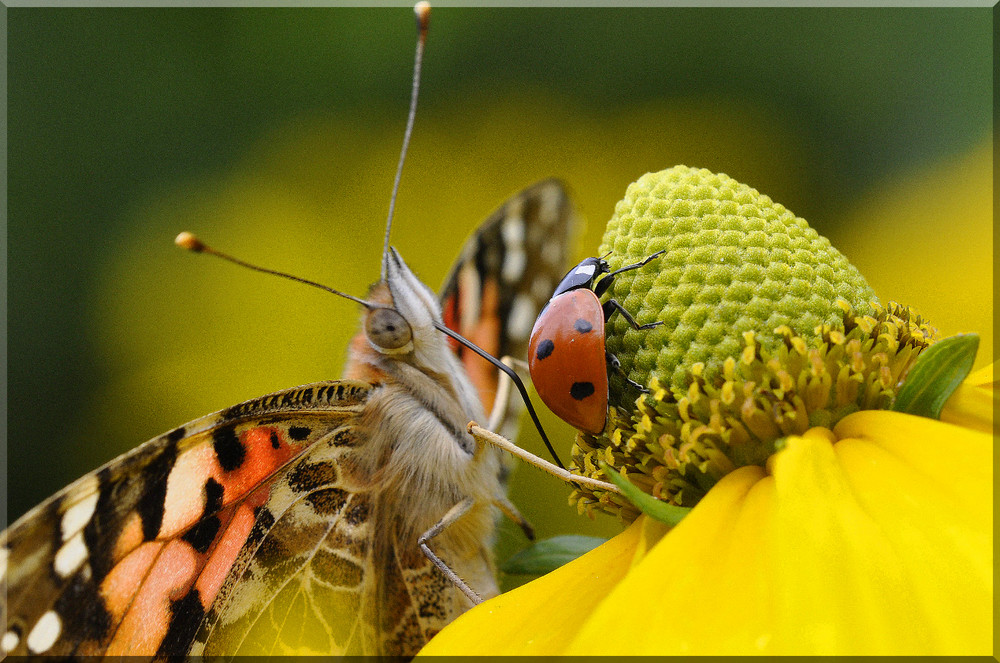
x=422, y=10
x=188, y=241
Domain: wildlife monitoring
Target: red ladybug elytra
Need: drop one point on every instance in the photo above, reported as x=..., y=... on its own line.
x=566, y=355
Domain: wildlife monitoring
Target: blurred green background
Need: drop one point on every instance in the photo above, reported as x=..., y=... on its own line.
x=273, y=134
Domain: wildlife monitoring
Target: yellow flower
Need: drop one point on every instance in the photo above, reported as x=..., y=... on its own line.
x=871, y=538
x=826, y=517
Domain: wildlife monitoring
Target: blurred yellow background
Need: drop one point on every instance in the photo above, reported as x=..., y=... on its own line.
x=273, y=135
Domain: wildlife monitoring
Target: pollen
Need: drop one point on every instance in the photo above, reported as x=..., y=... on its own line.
x=681, y=442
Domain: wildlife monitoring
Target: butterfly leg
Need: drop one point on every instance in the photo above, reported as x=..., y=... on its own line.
x=454, y=513
x=508, y=509
x=489, y=437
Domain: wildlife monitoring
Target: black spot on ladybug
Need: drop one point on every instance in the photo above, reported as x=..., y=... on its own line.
x=582, y=326
x=228, y=448
x=298, y=433
x=581, y=390
x=545, y=348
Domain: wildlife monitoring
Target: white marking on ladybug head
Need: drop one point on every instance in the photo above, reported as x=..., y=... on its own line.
x=9, y=641
x=521, y=318
x=71, y=556
x=45, y=633
x=585, y=269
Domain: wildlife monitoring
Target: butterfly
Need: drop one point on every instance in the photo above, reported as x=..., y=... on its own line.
x=290, y=523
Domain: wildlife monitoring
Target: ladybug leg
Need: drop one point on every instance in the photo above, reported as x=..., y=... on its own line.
x=617, y=366
x=612, y=305
x=602, y=286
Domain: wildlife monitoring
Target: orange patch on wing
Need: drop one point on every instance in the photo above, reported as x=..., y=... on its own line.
x=227, y=547
x=122, y=582
x=185, y=500
x=129, y=538
x=148, y=617
x=486, y=334
x=449, y=314
x=262, y=459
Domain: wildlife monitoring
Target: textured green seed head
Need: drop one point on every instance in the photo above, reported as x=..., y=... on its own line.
x=735, y=261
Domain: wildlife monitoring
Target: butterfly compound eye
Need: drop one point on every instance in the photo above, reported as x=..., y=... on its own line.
x=388, y=330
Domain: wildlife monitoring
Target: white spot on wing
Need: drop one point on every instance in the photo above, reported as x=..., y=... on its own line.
x=521, y=318
x=513, y=265
x=71, y=556
x=552, y=253
x=78, y=515
x=512, y=231
x=45, y=633
x=549, y=204
x=9, y=641
x=469, y=287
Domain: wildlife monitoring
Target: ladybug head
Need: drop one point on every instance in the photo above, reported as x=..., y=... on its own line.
x=583, y=275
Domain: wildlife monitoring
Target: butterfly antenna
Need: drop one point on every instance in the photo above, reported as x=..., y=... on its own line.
x=188, y=241
x=512, y=374
x=422, y=10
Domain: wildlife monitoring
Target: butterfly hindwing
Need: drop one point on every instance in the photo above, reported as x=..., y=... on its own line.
x=505, y=274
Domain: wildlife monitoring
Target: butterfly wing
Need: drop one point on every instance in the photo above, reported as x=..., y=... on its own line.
x=128, y=558
x=252, y=530
x=505, y=274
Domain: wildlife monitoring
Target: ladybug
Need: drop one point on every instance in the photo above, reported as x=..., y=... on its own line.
x=567, y=359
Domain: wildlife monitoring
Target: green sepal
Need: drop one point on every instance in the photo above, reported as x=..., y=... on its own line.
x=936, y=375
x=669, y=514
x=549, y=554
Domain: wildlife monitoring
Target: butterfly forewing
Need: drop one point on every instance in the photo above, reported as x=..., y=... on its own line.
x=88, y=568
x=288, y=524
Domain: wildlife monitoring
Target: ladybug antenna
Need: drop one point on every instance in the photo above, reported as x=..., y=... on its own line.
x=186, y=240
x=423, y=15
x=515, y=378
x=606, y=255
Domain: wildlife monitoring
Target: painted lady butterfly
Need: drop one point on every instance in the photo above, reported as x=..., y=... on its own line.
x=295, y=522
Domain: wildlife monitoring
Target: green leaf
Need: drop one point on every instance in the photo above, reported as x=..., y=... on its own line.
x=936, y=375
x=649, y=505
x=550, y=554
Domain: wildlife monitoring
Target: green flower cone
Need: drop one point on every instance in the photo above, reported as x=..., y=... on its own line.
x=767, y=330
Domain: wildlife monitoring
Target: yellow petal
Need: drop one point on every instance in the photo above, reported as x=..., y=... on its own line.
x=983, y=377
x=880, y=544
x=960, y=460
x=539, y=618
x=973, y=403
x=658, y=607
